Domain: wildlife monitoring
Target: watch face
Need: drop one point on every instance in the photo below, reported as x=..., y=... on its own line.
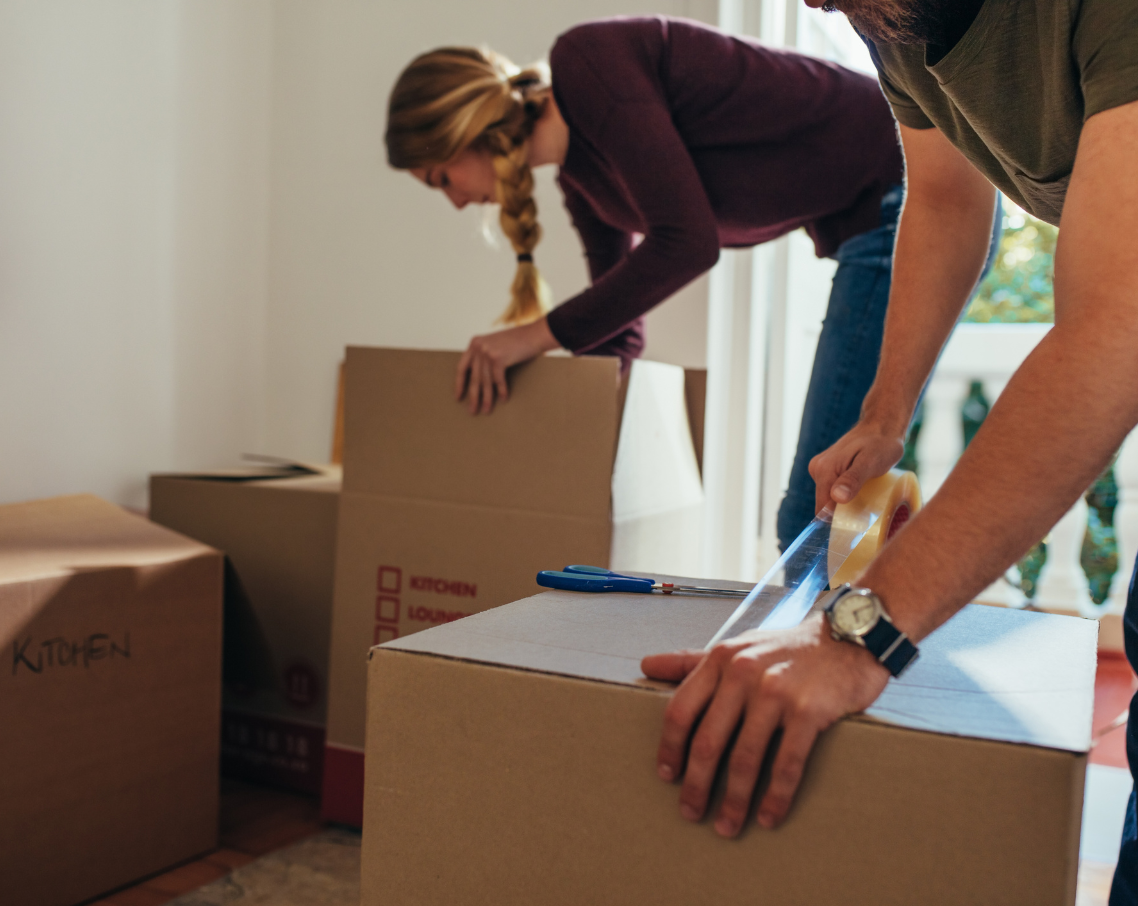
x=855, y=614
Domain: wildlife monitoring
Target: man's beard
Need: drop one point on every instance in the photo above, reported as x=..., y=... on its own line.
x=892, y=21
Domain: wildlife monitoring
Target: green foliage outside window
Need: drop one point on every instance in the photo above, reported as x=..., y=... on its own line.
x=1018, y=288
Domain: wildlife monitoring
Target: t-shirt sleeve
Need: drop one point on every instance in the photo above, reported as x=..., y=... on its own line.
x=1105, y=44
x=642, y=147
x=907, y=111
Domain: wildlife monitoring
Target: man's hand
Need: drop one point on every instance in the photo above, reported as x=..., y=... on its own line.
x=799, y=680
x=482, y=369
x=942, y=241
x=862, y=453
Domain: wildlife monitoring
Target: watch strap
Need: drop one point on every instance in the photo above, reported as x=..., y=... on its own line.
x=890, y=646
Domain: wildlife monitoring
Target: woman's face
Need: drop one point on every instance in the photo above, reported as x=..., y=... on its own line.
x=469, y=178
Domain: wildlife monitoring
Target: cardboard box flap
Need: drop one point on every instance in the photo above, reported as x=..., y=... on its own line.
x=549, y=448
x=325, y=478
x=266, y=469
x=65, y=534
x=989, y=673
x=994, y=673
x=655, y=469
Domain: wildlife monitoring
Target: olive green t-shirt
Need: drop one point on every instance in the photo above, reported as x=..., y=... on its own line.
x=1014, y=92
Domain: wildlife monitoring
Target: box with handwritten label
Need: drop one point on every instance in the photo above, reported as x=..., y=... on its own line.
x=110, y=630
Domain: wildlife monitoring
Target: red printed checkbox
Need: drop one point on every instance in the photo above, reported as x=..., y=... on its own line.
x=385, y=634
x=387, y=609
x=390, y=579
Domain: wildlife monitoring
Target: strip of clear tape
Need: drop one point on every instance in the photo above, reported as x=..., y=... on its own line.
x=798, y=579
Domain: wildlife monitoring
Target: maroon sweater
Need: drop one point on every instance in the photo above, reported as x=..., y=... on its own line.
x=696, y=141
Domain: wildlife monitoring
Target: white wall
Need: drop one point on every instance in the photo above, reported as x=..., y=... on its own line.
x=196, y=217
x=361, y=254
x=132, y=239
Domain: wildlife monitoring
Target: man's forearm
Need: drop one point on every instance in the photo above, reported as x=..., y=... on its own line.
x=941, y=247
x=1053, y=429
x=1063, y=414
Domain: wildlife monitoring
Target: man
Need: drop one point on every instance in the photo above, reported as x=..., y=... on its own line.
x=1040, y=98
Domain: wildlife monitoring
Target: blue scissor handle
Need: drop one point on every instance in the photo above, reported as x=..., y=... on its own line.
x=581, y=581
x=601, y=571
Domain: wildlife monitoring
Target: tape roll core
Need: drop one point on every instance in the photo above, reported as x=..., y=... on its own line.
x=899, y=519
x=869, y=521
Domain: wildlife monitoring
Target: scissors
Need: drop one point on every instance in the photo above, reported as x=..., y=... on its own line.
x=598, y=579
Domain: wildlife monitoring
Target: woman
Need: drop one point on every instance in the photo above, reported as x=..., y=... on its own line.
x=692, y=139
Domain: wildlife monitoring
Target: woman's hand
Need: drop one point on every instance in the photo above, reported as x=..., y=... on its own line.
x=799, y=680
x=482, y=369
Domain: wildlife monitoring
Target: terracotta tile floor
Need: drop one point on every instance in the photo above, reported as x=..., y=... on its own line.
x=254, y=821
x=1114, y=685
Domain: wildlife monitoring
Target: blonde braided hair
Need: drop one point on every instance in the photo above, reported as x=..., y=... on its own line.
x=458, y=98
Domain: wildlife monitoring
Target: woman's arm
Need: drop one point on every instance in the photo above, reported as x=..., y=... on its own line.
x=648, y=156
x=604, y=245
x=481, y=373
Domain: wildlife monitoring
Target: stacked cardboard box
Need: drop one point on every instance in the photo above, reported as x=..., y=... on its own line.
x=109, y=699
x=277, y=527
x=511, y=760
x=444, y=514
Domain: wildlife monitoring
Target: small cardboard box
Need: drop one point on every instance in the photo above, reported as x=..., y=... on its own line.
x=111, y=632
x=444, y=514
x=277, y=528
x=511, y=760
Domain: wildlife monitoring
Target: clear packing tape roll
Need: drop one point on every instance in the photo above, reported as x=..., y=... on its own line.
x=837, y=546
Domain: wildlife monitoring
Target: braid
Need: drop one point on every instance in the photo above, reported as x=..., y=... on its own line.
x=456, y=98
x=529, y=294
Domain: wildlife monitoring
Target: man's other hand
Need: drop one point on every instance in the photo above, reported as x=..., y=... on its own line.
x=864, y=452
x=798, y=680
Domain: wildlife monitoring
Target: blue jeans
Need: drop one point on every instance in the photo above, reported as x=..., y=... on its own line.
x=1124, y=890
x=848, y=349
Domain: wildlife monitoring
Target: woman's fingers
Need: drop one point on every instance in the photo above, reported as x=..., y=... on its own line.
x=462, y=373
x=500, y=385
x=486, y=377
x=474, y=389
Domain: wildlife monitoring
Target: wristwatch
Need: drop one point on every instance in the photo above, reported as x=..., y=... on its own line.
x=857, y=615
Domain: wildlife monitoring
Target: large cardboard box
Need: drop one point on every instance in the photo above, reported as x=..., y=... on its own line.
x=277, y=527
x=444, y=514
x=511, y=760
x=111, y=632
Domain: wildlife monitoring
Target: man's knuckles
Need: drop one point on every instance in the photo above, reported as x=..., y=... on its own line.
x=705, y=751
x=678, y=717
x=746, y=760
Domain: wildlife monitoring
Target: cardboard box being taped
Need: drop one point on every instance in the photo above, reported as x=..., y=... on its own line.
x=277, y=527
x=444, y=514
x=110, y=628
x=511, y=760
